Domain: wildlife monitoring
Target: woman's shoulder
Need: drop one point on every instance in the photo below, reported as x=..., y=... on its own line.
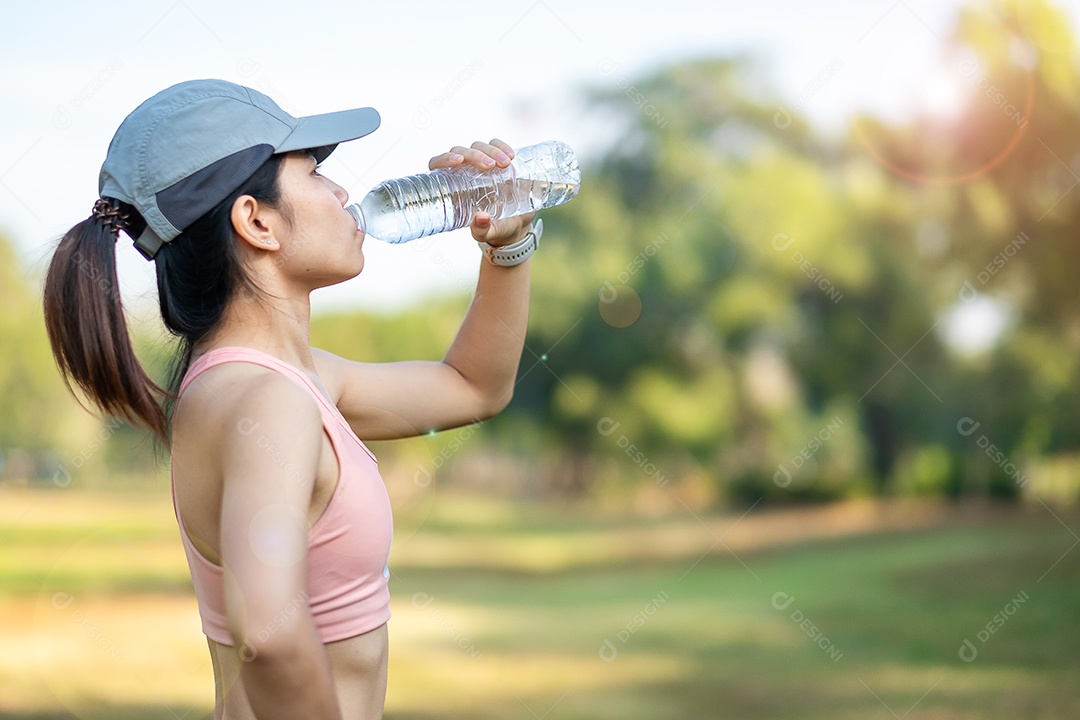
x=237, y=397
x=332, y=370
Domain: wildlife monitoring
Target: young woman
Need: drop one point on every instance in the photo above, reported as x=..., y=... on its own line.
x=281, y=510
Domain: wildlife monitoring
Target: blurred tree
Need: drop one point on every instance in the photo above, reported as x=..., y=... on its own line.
x=730, y=229
x=37, y=425
x=736, y=302
x=784, y=282
x=994, y=239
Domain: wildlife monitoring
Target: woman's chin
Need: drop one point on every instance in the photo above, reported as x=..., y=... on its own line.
x=357, y=269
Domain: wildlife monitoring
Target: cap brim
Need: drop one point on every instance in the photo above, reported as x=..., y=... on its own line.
x=327, y=130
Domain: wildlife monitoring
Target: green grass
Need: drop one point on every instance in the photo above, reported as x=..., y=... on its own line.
x=488, y=639
x=895, y=607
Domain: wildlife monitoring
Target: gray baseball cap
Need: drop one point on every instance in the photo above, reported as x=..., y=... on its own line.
x=183, y=151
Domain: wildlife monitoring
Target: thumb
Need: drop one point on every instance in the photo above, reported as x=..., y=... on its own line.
x=481, y=225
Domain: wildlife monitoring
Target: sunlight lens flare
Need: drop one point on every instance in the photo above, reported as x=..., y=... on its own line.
x=944, y=96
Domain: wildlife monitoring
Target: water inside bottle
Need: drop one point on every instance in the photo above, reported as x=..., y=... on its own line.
x=399, y=214
x=397, y=217
x=407, y=208
x=556, y=193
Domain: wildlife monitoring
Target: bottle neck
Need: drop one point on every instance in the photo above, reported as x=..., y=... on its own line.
x=358, y=214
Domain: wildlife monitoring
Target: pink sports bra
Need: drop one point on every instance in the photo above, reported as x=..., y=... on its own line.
x=347, y=547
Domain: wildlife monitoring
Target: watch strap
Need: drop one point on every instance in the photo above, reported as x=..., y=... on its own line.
x=517, y=253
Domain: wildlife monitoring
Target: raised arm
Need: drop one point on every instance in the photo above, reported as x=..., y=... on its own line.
x=265, y=498
x=475, y=379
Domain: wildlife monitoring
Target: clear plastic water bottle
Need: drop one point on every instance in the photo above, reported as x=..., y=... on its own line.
x=397, y=211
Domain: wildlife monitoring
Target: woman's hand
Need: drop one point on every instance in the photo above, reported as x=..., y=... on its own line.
x=485, y=157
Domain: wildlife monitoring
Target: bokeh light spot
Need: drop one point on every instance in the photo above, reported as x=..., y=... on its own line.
x=623, y=309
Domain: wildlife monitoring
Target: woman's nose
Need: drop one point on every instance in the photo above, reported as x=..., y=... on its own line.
x=339, y=192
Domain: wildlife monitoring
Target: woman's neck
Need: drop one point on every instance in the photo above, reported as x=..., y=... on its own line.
x=276, y=323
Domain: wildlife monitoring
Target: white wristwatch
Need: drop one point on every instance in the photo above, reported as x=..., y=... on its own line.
x=519, y=252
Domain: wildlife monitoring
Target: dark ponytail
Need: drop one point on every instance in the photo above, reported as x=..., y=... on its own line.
x=198, y=274
x=86, y=324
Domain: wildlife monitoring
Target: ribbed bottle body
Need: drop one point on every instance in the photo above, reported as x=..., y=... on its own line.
x=540, y=176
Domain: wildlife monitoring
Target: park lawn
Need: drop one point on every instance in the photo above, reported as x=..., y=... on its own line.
x=534, y=612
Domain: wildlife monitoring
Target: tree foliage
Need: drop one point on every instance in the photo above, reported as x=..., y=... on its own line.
x=739, y=303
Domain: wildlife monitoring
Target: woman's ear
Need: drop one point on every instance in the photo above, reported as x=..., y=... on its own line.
x=254, y=223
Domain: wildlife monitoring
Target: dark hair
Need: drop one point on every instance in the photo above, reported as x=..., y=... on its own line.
x=198, y=274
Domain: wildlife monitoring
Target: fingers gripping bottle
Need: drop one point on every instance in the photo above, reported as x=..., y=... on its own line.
x=397, y=211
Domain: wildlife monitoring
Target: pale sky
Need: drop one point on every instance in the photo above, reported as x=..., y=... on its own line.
x=440, y=74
